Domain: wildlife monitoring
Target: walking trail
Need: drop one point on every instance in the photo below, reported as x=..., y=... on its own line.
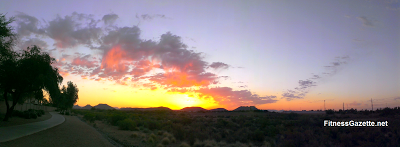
x=57, y=131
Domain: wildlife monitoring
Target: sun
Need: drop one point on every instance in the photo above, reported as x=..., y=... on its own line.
x=184, y=100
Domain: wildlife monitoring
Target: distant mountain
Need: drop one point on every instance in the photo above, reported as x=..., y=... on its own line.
x=246, y=108
x=76, y=107
x=218, y=110
x=104, y=107
x=193, y=109
x=87, y=107
x=146, y=109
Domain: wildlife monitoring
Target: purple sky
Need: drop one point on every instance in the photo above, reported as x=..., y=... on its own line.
x=286, y=52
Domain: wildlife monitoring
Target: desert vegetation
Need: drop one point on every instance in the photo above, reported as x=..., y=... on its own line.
x=28, y=114
x=200, y=129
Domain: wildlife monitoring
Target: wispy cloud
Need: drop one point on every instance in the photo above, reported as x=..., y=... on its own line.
x=354, y=104
x=305, y=85
x=366, y=21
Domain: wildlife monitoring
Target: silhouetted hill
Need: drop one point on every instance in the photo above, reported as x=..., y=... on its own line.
x=146, y=109
x=76, y=107
x=246, y=108
x=193, y=109
x=218, y=110
x=87, y=107
x=104, y=107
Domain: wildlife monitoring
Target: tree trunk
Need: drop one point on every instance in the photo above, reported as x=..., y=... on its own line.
x=9, y=109
x=7, y=105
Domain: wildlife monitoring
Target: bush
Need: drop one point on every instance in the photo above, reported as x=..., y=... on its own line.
x=26, y=115
x=89, y=117
x=165, y=141
x=113, y=120
x=67, y=113
x=127, y=124
x=41, y=112
x=330, y=112
x=135, y=135
x=184, y=144
x=32, y=115
x=18, y=113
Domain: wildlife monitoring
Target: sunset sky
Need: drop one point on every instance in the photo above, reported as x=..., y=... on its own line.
x=281, y=55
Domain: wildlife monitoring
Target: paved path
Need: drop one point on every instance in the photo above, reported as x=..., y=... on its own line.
x=14, y=132
x=72, y=133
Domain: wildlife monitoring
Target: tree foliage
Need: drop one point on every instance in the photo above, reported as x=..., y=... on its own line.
x=68, y=97
x=24, y=74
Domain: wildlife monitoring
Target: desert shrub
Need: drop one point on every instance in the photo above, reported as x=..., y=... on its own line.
x=127, y=124
x=154, y=125
x=292, y=115
x=160, y=132
x=134, y=135
x=152, y=135
x=173, y=140
x=198, y=143
x=210, y=143
x=151, y=140
x=100, y=116
x=258, y=135
x=89, y=117
x=330, y=112
x=184, y=144
x=165, y=141
x=115, y=117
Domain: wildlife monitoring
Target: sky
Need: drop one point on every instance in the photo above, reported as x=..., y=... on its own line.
x=276, y=55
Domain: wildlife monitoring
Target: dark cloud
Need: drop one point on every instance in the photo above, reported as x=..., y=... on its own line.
x=69, y=31
x=366, y=21
x=73, y=30
x=219, y=65
x=33, y=41
x=27, y=25
x=109, y=18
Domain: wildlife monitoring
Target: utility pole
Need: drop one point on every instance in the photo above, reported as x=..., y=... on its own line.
x=343, y=106
x=372, y=105
x=324, y=106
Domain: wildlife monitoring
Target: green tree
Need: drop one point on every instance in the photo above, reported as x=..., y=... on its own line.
x=69, y=96
x=29, y=73
x=24, y=73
